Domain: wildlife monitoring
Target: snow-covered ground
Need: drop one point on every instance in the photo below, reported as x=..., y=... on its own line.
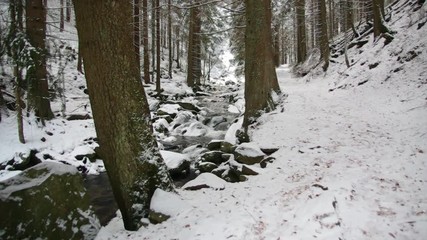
x=351, y=164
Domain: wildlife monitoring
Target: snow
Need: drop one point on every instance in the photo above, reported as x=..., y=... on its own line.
x=206, y=179
x=172, y=159
x=168, y=203
x=351, y=162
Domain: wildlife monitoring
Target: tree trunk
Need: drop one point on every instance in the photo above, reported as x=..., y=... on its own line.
x=158, y=88
x=120, y=108
x=178, y=50
x=136, y=31
x=18, y=95
x=145, y=41
x=276, y=45
x=61, y=18
x=379, y=26
x=153, y=38
x=170, y=38
x=68, y=11
x=194, y=65
x=301, y=36
x=36, y=32
x=323, y=34
x=260, y=73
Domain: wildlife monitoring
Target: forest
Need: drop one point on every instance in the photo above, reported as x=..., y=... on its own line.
x=208, y=119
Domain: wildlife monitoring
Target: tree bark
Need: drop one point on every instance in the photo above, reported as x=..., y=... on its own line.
x=323, y=38
x=301, y=35
x=145, y=41
x=120, y=108
x=68, y=11
x=194, y=65
x=61, y=18
x=36, y=32
x=136, y=31
x=158, y=87
x=260, y=73
x=170, y=39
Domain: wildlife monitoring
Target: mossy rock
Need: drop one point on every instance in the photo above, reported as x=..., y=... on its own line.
x=206, y=167
x=47, y=201
x=213, y=157
x=227, y=147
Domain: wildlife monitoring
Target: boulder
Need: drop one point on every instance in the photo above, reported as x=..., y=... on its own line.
x=84, y=151
x=248, y=171
x=177, y=164
x=213, y=157
x=164, y=205
x=249, y=153
x=47, y=201
x=189, y=106
x=205, y=180
x=227, y=147
x=206, y=167
x=269, y=151
x=266, y=160
x=215, y=145
x=22, y=161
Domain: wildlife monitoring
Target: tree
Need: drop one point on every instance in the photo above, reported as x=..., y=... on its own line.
x=170, y=38
x=377, y=12
x=301, y=36
x=38, y=98
x=323, y=34
x=157, y=7
x=120, y=108
x=136, y=31
x=145, y=41
x=260, y=73
x=194, y=65
x=61, y=18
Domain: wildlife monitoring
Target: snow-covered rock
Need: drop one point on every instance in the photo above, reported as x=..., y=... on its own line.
x=164, y=205
x=205, y=180
x=249, y=153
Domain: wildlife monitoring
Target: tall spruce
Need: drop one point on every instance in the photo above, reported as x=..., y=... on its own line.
x=38, y=94
x=120, y=108
x=260, y=73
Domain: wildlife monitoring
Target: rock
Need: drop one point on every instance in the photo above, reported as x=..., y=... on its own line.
x=214, y=145
x=84, y=151
x=227, y=156
x=23, y=161
x=74, y=117
x=247, y=171
x=206, y=167
x=231, y=175
x=47, y=201
x=269, y=151
x=241, y=136
x=189, y=106
x=227, y=147
x=213, y=157
x=215, y=121
x=266, y=160
x=161, y=125
x=205, y=180
x=222, y=126
x=249, y=153
x=177, y=164
x=164, y=205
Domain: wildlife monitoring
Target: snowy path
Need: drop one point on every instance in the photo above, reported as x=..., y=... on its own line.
x=351, y=165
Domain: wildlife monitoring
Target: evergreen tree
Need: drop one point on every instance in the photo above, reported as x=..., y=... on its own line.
x=120, y=108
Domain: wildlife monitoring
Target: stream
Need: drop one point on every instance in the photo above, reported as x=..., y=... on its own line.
x=98, y=186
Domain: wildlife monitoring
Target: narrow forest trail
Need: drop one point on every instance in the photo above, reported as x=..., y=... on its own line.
x=351, y=165
x=365, y=146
